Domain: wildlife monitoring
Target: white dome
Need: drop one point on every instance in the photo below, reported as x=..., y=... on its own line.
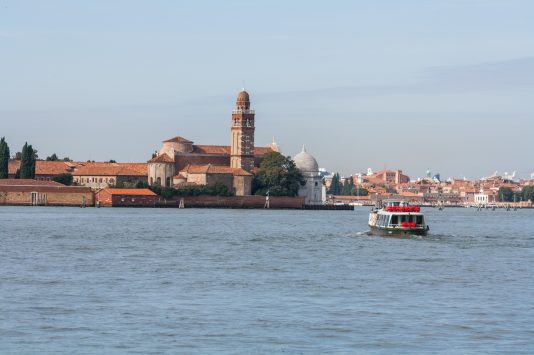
x=305, y=162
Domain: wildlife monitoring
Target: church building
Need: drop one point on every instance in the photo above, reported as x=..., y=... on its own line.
x=180, y=162
x=314, y=192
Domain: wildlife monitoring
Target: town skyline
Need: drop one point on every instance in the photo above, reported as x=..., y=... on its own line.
x=411, y=86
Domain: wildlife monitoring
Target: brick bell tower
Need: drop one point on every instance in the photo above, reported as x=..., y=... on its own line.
x=242, y=147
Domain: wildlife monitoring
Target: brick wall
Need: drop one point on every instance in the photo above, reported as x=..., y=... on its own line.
x=106, y=199
x=234, y=202
x=133, y=201
x=10, y=195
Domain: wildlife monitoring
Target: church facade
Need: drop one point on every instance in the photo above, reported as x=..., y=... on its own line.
x=180, y=162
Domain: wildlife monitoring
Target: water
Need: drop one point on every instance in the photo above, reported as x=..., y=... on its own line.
x=253, y=281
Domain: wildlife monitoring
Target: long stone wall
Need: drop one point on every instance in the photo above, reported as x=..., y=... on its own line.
x=46, y=197
x=233, y=202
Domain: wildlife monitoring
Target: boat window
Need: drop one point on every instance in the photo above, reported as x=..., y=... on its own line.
x=394, y=219
x=419, y=219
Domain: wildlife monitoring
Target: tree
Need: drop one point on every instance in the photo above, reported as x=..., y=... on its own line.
x=27, y=163
x=17, y=156
x=528, y=193
x=348, y=186
x=506, y=194
x=67, y=159
x=277, y=175
x=112, y=161
x=53, y=157
x=65, y=179
x=335, y=185
x=360, y=191
x=4, y=159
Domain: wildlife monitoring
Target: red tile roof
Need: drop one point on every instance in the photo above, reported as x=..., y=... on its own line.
x=111, y=169
x=42, y=167
x=162, y=158
x=47, y=188
x=28, y=182
x=178, y=139
x=13, y=166
x=215, y=169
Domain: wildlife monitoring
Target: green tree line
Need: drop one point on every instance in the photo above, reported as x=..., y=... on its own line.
x=347, y=188
x=27, y=157
x=278, y=176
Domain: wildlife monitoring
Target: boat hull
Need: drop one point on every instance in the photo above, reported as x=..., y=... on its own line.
x=397, y=232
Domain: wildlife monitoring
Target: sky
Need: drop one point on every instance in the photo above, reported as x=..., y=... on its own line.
x=412, y=85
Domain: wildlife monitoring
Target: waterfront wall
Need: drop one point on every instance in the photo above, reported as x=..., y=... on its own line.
x=46, y=196
x=232, y=202
x=125, y=198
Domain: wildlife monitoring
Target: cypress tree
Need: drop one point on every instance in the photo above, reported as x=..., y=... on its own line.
x=335, y=185
x=4, y=159
x=27, y=163
x=347, y=187
x=24, y=163
x=33, y=160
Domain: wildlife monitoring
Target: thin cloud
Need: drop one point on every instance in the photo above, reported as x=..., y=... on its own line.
x=509, y=74
x=514, y=74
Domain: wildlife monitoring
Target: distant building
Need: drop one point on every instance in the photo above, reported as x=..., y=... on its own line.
x=387, y=177
x=350, y=200
x=102, y=175
x=44, y=170
x=179, y=156
x=236, y=180
x=482, y=198
x=28, y=192
x=96, y=175
x=125, y=198
x=314, y=192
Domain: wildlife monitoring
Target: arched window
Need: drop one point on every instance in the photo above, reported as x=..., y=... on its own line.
x=168, y=182
x=158, y=181
x=111, y=181
x=151, y=181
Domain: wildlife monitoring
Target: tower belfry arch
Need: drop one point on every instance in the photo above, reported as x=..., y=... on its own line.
x=242, y=133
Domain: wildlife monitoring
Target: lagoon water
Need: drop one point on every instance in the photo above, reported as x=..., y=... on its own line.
x=105, y=281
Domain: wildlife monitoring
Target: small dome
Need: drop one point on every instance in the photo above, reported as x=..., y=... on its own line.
x=243, y=96
x=305, y=162
x=243, y=100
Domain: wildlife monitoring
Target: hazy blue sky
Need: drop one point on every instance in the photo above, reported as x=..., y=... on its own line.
x=446, y=85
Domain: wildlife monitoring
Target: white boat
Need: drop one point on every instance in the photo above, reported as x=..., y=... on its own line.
x=397, y=218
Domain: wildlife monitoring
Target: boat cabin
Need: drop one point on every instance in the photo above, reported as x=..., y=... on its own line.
x=400, y=220
x=397, y=217
x=394, y=203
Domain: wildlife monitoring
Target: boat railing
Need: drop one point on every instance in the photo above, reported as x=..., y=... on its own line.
x=399, y=226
